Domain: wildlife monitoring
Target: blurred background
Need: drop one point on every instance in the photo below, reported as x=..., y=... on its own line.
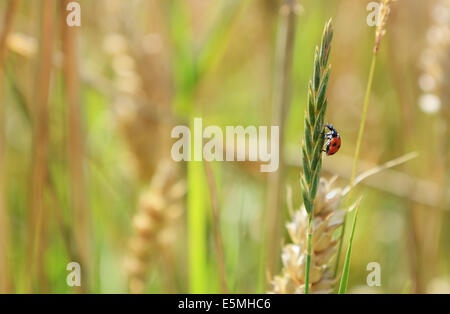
x=86, y=116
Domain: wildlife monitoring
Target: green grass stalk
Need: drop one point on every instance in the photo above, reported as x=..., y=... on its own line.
x=216, y=226
x=191, y=68
x=379, y=33
x=308, y=256
x=197, y=221
x=346, y=271
x=357, y=150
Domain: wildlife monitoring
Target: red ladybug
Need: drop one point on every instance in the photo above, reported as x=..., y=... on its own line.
x=333, y=141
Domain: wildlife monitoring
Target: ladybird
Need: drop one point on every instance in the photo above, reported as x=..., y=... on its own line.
x=333, y=141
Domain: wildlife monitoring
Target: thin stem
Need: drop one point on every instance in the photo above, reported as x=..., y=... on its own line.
x=309, y=253
x=358, y=147
x=190, y=75
x=216, y=226
x=75, y=149
x=197, y=220
x=64, y=229
x=363, y=119
x=40, y=146
x=280, y=106
x=5, y=280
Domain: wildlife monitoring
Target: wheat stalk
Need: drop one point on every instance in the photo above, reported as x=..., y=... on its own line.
x=282, y=86
x=5, y=280
x=75, y=145
x=313, y=138
x=39, y=170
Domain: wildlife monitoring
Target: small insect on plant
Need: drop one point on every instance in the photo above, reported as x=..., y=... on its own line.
x=333, y=142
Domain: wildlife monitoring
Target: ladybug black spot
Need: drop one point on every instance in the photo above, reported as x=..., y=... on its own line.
x=334, y=144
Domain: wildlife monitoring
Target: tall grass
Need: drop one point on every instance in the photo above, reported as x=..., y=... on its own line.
x=191, y=68
x=62, y=168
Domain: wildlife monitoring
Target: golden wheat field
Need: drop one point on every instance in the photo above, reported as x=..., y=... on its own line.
x=225, y=146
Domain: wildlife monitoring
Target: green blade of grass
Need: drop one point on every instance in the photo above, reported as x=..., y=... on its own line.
x=216, y=43
x=346, y=270
x=185, y=67
x=18, y=94
x=197, y=228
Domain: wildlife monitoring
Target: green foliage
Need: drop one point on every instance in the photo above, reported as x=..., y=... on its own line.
x=346, y=270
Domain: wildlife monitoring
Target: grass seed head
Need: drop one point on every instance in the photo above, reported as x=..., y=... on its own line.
x=382, y=21
x=153, y=223
x=314, y=119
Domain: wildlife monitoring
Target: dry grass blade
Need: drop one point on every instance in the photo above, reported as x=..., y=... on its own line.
x=5, y=283
x=380, y=168
x=280, y=107
x=75, y=149
x=40, y=143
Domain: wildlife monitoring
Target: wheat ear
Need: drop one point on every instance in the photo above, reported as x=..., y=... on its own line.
x=159, y=206
x=327, y=218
